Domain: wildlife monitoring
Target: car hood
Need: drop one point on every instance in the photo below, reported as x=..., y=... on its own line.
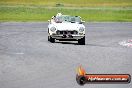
x=68, y=26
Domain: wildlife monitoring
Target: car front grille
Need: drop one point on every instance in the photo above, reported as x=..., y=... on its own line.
x=66, y=32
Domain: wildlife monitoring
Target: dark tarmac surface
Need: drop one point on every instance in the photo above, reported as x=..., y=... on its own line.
x=28, y=60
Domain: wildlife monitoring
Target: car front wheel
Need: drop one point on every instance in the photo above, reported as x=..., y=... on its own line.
x=81, y=41
x=52, y=40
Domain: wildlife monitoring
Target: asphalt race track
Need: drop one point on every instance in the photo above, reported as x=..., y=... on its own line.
x=28, y=60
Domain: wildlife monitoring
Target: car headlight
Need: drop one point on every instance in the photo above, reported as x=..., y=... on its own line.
x=81, y=29
x=52, y=29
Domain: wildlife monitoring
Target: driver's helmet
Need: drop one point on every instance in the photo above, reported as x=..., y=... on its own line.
x=58, y=14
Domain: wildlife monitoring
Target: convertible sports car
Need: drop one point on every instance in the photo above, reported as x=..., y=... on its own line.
x=66, y=28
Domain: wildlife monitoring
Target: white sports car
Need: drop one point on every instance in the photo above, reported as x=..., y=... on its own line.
x=66, y=28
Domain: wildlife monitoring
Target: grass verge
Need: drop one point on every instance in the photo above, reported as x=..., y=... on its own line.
x=36, y=13
x=72, y=3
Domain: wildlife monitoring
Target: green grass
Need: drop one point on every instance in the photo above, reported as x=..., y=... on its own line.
x=76, y=3
x=89, y=10
x=43, y=14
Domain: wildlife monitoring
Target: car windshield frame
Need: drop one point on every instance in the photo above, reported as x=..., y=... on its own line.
x=67, y=18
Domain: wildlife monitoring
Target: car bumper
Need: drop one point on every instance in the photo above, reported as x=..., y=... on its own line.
x=67, y=37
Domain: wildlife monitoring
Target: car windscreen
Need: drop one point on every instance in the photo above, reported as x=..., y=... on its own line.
x=71, y=19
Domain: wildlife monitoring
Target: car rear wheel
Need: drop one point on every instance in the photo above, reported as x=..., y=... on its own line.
x=48, y=38
x=81, y=41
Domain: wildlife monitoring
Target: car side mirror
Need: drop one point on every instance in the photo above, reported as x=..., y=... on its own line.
x=49, y=21
x=82, y=21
